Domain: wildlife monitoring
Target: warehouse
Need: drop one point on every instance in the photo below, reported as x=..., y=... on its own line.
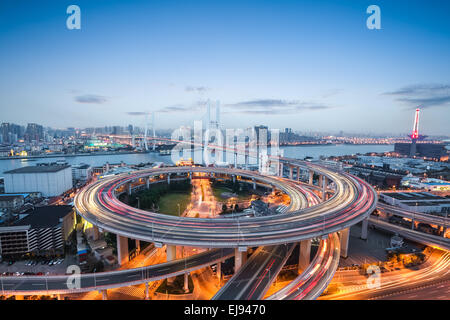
x=49, y=179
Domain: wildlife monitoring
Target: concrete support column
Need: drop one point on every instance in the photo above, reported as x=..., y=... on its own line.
x=138, y=246
x=298, y=173
x=235, y=160
x=344, y=239
x=147, y=294
x=168, y=178
x=129, y=188
x=219, y=271
x=234, y=178
x=324, y=188
x=190, y=176
x=311, y=177
x=122, y=249
x=291, y=172
x=147, y=183
x=104, y=294
x=281, y=169
x=240, y=257
x=186, y=282
x=304, y=255
x=364, y=228
x=246, y=161
x=254, y=183
x=171, y=254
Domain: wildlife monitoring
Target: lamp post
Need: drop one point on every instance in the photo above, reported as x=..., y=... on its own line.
x=268, y=269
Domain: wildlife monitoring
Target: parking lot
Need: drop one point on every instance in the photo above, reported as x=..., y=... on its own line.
x=35, y=267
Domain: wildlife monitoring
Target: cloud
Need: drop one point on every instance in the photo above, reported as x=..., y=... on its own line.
x=423, y=95
x=137, y=113
x=198, y=89
x=91, y=98
x=274, y=106
x=180, y=108
x=258, y=106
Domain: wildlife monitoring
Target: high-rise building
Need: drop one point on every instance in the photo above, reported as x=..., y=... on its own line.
x=34, y=132
x=11, y=132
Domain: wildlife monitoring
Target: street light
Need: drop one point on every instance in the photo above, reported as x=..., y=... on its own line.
x=268, y=281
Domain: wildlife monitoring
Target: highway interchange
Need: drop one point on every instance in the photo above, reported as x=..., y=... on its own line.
x=351, y=200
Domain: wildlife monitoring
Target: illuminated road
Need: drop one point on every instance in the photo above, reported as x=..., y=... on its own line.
x=254, y=278
x=315, y=278
x=352, y=201
x=433, y=273
x=112, y=279
x=428, y=239
x=417, y=216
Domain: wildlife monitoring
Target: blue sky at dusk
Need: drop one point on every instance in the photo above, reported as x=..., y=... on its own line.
x=308, y=65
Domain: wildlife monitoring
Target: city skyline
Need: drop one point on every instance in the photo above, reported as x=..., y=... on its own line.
x=304, y=66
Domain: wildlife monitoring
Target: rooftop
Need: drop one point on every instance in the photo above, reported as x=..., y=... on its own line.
x=413, y=196
x=40, y=169
x=45, y=217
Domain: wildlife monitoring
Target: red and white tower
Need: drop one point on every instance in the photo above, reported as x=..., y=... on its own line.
x=415, y=134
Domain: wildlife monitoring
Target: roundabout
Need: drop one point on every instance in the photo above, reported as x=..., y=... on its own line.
x=351, y=201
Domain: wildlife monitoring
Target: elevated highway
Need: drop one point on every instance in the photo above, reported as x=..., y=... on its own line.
x=417, y=216
x=417, y=236
x=352, y=201
x=64, y=284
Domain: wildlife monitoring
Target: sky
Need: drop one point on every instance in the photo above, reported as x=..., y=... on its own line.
x=306, y=65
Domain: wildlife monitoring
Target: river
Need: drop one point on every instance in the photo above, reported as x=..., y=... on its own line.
x=298, y=152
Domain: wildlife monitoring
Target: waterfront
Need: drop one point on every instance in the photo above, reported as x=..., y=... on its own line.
x=299, y=152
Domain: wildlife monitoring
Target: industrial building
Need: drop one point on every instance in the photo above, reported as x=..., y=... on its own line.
x=48, y=179
x=418, y=201
x=43, y=230
x=435, y=151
